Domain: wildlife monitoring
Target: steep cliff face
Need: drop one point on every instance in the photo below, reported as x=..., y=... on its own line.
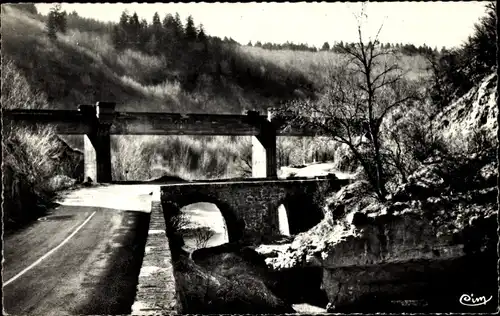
x=432, y=242
x=474, y=112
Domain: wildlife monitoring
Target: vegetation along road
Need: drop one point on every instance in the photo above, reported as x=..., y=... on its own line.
x=91, y=261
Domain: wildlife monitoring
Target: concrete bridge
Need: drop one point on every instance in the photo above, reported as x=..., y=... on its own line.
x=98, y=122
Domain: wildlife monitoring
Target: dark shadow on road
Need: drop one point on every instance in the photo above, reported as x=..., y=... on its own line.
x=115, y=292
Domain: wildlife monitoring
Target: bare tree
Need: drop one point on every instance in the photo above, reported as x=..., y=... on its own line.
x=179, y=222
x=202, y=235
x=361, y=93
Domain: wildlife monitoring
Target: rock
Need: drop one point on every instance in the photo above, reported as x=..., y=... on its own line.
x=404, y=255
x=60, y=182
x=270, y=251
x=422, y=184
x=475, y=111
x=232, y=260
x=488, y=174
x=308, y=309
x=350, y=198
x=360, y=219
x=330, y=308
x=87, y=182
x=230, y=288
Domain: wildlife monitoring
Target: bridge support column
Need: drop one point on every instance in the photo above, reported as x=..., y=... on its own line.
x=97, y=144
x=264, y=151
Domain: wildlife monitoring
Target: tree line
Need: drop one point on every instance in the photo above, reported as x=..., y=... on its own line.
x=339, y=47
x=158, y=37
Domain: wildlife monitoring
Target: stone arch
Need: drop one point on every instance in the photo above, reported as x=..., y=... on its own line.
x=283, y=223
x=235, y=226
x=302, y=211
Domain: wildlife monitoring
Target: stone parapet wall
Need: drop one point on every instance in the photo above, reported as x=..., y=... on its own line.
x=156, y=293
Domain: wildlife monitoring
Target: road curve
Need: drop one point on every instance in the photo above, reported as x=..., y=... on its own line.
x=81, y=259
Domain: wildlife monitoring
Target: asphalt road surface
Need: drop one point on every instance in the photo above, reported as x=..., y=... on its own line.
x=83, y=258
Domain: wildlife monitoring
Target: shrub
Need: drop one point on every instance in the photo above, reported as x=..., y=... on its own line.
x=202, y=235
x=29, y=154
x=147, y=157
x=16, y=91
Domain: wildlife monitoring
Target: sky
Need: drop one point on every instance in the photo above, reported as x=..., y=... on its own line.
x=435, y=24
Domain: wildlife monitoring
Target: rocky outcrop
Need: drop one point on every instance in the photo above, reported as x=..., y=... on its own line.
x=475, y=111
x=427, y=237
x=434, y=239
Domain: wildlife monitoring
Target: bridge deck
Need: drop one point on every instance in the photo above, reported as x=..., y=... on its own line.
x=152, y=123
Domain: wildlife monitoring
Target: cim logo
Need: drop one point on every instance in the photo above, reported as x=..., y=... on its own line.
x=470, y=300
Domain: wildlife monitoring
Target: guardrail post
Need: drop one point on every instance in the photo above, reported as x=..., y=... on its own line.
x=97, y=144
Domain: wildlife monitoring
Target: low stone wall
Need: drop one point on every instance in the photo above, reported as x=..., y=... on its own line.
x=156, y=287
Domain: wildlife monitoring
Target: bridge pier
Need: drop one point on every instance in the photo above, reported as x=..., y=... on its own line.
x=264, y=151
x=97, y=143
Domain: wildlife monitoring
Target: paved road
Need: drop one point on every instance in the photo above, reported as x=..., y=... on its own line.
x=84, y=258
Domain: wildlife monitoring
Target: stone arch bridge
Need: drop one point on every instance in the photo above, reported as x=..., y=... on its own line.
x=250, y=207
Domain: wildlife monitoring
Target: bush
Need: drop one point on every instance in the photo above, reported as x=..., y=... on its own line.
x=411, y=138
x=31, y=155
x=202, y=235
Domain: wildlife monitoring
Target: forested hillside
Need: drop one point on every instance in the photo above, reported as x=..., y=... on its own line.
x=160, y=63
x=88, y=61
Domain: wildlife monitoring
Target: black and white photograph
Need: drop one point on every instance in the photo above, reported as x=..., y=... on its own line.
x=249, y=158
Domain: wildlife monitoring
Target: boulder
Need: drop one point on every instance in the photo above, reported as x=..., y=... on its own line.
x=488, y=175
x=424, y=183
x=60, y=182
x=404, y=257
